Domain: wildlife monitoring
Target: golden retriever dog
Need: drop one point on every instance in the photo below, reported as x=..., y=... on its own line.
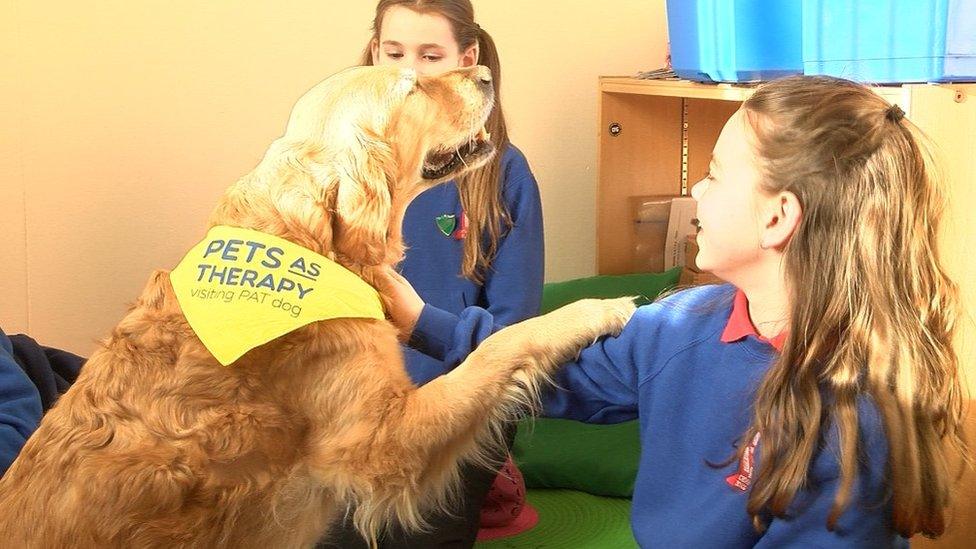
x=159, y=445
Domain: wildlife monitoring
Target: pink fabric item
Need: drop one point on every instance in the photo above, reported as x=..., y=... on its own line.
x=505, y=511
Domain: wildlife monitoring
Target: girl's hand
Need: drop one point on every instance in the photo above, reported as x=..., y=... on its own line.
x=403, y=304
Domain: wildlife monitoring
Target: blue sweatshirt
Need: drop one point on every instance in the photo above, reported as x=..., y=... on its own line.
x=512, y=288
x=20, y=405
x=692, y=394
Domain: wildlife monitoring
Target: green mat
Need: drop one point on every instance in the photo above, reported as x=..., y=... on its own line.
x=646, y=286
x=572, y=520
x=561, y=454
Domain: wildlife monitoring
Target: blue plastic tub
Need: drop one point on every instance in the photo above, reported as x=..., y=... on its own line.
x=735, y=40
x=889, y=41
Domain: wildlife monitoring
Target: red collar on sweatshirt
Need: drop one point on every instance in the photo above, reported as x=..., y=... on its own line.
x=740, y=325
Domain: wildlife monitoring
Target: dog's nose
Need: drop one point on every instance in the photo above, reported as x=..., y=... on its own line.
x=482, y=75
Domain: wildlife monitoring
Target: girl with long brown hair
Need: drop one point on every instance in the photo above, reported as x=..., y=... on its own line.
x=474, y=246
x=816, y=399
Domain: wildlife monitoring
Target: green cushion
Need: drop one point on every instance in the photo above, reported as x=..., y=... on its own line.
x=559, y=453
x=645, y=285
x=598, y=459
x=569, y=519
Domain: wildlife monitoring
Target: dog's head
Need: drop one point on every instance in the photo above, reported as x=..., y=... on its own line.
x=375, y=137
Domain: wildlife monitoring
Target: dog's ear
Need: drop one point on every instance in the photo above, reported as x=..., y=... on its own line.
x=363, y=204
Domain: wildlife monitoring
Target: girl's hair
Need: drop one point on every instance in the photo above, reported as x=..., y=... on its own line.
x=480, y=190
x=872, y=310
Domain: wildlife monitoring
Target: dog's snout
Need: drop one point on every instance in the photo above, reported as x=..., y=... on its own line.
x=486, y=88
x=482, y=76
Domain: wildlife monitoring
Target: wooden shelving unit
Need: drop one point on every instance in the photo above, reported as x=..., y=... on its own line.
x=656, y=137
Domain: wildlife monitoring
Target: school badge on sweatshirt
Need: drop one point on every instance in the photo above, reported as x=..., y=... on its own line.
x=446, y=223
x=449, y=226
x=741, y=479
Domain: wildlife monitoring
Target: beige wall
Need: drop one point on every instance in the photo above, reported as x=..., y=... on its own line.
x=124, y=121
x=13, y=236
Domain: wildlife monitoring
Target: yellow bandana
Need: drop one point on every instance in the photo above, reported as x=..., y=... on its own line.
x=241, y=288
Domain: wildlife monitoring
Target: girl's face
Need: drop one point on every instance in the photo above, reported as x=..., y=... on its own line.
x=728, y=205
x=422, y=41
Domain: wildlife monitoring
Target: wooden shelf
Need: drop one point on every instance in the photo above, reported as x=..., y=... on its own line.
x=675, y=88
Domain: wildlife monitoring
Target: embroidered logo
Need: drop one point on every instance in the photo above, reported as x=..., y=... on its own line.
x=741, y=479
x=462, y=230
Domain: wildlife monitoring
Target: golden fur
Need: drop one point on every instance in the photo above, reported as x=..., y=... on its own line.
x=157, y=444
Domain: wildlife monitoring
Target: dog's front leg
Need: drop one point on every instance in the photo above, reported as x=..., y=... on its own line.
x=531, y=350
x=446, y=418
x=527, y=352
x=411, y=466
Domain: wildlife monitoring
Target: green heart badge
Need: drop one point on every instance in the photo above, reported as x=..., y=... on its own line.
x=446, y=223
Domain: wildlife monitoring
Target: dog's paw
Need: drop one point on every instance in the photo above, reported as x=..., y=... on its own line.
x=534, y=348
x=557, y=337
x=597, y=317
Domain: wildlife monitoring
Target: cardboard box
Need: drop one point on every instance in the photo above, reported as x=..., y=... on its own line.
x=683, y=210
x=691, y=253
x=661, y=225
x=650, y=218
x=689, y=277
